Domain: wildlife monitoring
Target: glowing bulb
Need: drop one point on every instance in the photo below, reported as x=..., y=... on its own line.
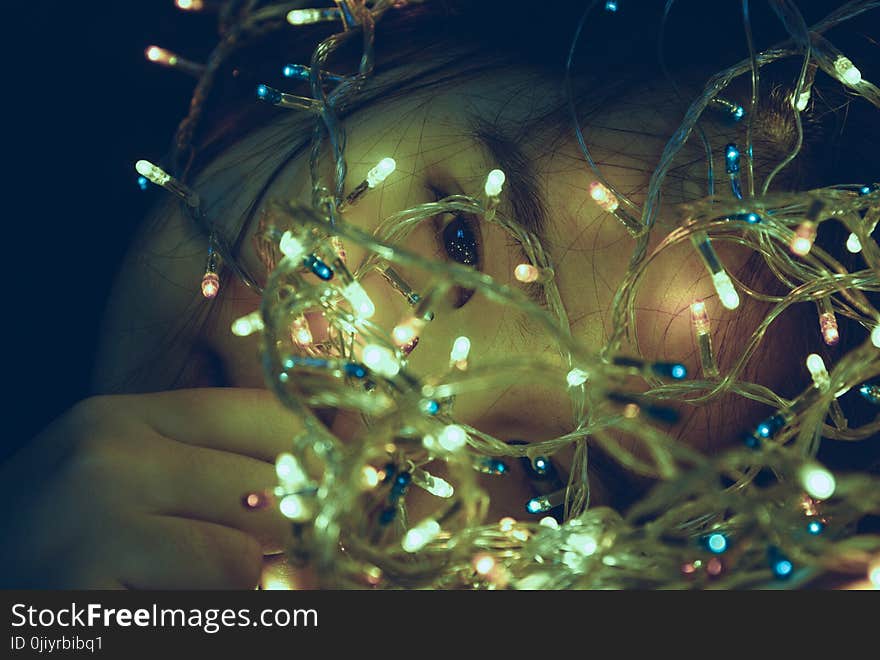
x=381, y=360
x=576, y=377
x=731, y=158
x=290, y=472
x=816, y=367
x=875, y=335
x=724, y=287
x=549, y=521
x=405, y=332
x=803, y=238
x=847, y=71
x=294, y=508
x=874, y=573
x=452, y=438
x=606, y=200
x=526, y=273
x=247, y=325
x=437, y=486
x=700, y=317
x=611, y=5
x=307, y=16
x=583, y=543
x=291, y=247
x=818, y=482
x=160, y=55
x=300, y=332
x=360, y=301
x=484, y=564
x=369, y=477
x=461, y=348
x=853, y=244
x=381, y=172
x=802, y=100
x=716, y=543
x=210, y=285
x=190, y=5
x=494, y=183
x=420, y=535
x=828, y=327
x=152, y=172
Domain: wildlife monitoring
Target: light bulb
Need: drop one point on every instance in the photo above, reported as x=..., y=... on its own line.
x=853, y=244
x=420, y=535
x=152, y=172
x=210, y=285
x=381, y=172
x=606, y=200
x=247, y=325
x=294, y=508
x=461, y=348
x=576, y=377
x=361, y=303
x=381, y=360
x=804, y=235
x=290, y=472
x=452, y=438
x=726, y=292
x=828, y=327
x=816, y=367
x=291, y=246
x=494, y=183
x=847, y=71
x=817, y=481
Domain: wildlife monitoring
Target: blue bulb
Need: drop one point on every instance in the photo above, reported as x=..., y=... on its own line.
x=731, y=155
x=143, y=182
x=319, y=268
x=769, y=427
x=534, y=506
x=262, y=91
x=541, y=465
x=268, y=94
x=782, y=568
x=669, y=369
x=871, y=392
x=355, y=370
x=753, y=218
x=678, y=371
x=611, y=5
x=815, y=527
x=738, y=113
x=295, y=71
x=716, y=543
x=432, y=407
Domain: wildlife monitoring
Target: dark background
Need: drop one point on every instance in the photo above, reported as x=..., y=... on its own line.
x=82, y=105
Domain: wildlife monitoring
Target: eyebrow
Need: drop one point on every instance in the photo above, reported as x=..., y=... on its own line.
x=526, y=200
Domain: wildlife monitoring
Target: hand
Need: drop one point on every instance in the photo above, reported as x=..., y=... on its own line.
x=144, y=491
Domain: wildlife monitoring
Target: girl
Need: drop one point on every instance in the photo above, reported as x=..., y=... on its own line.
x=183, y=426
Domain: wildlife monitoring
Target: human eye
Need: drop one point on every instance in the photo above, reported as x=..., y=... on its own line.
x=459, y=240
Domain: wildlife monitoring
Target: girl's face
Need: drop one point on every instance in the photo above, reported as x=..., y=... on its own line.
x=430, y=136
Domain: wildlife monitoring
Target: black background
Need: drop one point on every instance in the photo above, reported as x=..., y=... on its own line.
x=82, y=105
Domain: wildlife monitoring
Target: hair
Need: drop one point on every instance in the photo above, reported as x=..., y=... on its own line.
x=466, y=39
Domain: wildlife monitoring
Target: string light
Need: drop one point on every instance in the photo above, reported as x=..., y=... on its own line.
x=423, y=404
x=160, y=177
x=190, y=5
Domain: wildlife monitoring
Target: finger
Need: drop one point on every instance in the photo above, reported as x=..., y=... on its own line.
x=209, y=484
x=178, y=553
x=243, y=421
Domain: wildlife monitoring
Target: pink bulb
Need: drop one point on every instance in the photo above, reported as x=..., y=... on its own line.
x=210, y=285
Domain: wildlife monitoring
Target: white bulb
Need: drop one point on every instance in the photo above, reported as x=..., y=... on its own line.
x=420, y=535
x=361, y=303
x=153, y=172
x=452, y=438
x=853, y=244
x=583, y=543
x=294, y=508
x=461, y=348
x=290, y=472
x=726, y=292
x=802, y=100
x=549, y=521
x=247, y=325
x=818, y=482
x=494, y=183
x=381, y=360
x=874, y=573
x=381, y=172
x=875, y=335
x=438, y=487
x=291, y=246
x=847, y=70
x=576, y=377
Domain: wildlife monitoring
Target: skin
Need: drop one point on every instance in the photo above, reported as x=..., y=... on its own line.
x=221, y=435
